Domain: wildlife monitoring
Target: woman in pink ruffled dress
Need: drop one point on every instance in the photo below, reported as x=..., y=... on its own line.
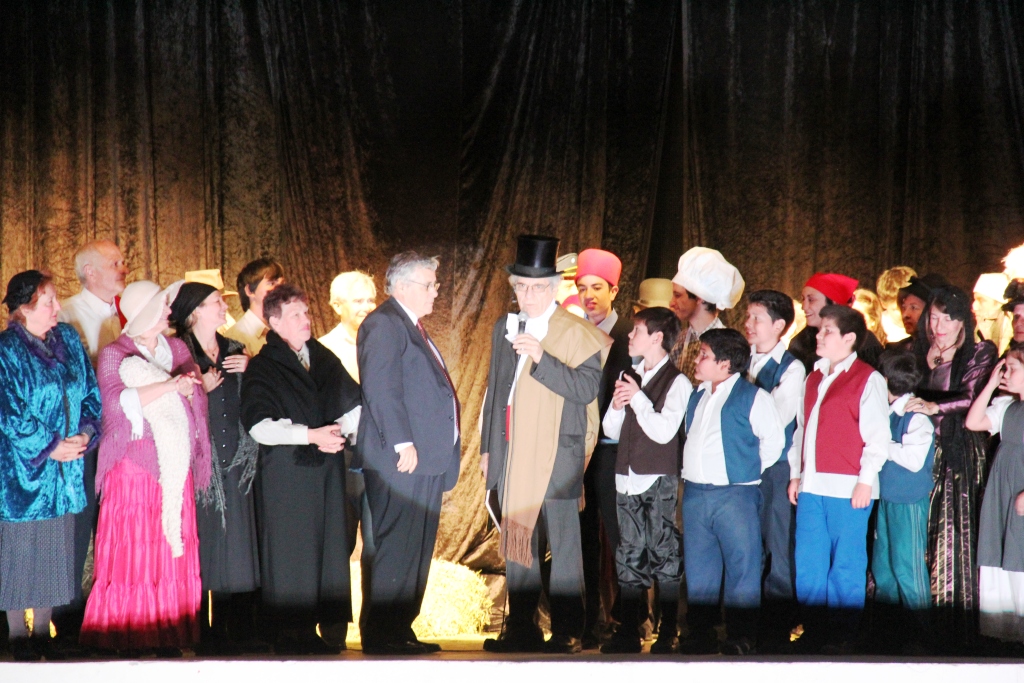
x=154, y=452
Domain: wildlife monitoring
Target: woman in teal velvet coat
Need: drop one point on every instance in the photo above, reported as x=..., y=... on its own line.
x=49, y=418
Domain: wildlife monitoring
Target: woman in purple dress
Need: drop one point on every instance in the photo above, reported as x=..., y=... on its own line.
x=956, y=368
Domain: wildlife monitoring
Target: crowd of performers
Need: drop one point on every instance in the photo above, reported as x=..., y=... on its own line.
x=846, y=474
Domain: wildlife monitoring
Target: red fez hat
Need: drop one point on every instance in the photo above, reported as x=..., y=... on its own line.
x=603, y=264
x=836, y=287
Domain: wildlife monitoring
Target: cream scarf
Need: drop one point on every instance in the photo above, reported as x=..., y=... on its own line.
x=536, y=420
x=169, y=423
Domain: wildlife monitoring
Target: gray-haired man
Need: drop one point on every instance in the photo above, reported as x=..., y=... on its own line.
x=409, y=442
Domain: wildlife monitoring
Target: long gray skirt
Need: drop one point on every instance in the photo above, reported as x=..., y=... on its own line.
x=37, y=563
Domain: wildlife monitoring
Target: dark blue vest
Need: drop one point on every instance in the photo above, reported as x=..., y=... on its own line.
x=769, y=378
x=742, y=448
x=897, y=484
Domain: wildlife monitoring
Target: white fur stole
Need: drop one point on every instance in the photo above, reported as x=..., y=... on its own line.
x=169, y=423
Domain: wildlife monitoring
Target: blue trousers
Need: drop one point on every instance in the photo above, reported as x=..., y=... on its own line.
x=832, y=559
x=722, y=556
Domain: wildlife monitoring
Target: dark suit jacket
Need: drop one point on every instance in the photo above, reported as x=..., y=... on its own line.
x=578, y=386
x=405, y=398
x=618, y=361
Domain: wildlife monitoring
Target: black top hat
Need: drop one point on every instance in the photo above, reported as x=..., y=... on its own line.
x=922, y=286
x=1014, y=295
x=535, y=257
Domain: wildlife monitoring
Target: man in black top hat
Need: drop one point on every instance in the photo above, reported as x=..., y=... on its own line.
x=540, y=423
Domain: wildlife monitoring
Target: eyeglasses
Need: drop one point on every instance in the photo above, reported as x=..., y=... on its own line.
x=520, y=288
x=427, y=285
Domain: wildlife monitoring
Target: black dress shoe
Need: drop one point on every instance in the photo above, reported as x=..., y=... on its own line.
x=403, y=648
x=24, y=650
x=428, y=648
x=622, y=645
x=665, y=645
x=740, y=647
x=563, y=645
x=697, y=646
x=514, y=640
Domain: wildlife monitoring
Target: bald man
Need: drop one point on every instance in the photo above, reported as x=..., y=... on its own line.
x=100, y=268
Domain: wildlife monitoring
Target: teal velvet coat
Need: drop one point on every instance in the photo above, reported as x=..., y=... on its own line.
x=48, y=392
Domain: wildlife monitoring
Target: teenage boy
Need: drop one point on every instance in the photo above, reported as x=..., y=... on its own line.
x=733, y=433
x=777, y=371
x=844, y=431
x=901, y=530
x=255, y=281
x=644, y=417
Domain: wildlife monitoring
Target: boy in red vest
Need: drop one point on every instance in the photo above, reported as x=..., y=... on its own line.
x=844, y=432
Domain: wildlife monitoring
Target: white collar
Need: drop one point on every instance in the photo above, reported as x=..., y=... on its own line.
x=775, y=354
x=253, y=323
x=824, y=364
x=412, y=316
x=726, y=385
x=899, y=406
x=538, y=327
x=608, y=323
x=639, y=367
x=98, y=305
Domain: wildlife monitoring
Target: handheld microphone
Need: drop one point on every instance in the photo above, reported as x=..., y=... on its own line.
x=522, y=322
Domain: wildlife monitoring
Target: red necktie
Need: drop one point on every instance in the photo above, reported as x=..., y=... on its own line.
x=437, y=359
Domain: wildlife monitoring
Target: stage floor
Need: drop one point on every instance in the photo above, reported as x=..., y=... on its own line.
x=463, y=659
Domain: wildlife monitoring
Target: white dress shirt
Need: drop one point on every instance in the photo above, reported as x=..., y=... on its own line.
x=911, y=453
x=874, y=430
x=789, y=394
x=129, y=399
x=344, y=347
x=95, y=320
x=250, y=331
x=704, y=452
x=997, y=411
x=271, y=432
x=535, y=327
x=659, y=427
x=437, y=354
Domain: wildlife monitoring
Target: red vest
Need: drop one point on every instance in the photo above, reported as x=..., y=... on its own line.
x=838, y=445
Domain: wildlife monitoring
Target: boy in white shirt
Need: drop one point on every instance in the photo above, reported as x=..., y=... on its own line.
x=644, y=417
x=733, y=433
x=844, y=432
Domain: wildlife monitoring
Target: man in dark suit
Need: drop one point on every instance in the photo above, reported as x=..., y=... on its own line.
x=540, y=424
x=409, y=440
x=597, y=280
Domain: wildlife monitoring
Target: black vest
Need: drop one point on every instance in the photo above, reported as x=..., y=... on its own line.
x=639, y=452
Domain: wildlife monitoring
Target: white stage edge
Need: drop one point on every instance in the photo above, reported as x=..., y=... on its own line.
x=564, y=670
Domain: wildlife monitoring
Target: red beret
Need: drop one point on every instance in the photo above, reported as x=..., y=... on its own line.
x=603, y=264
x=837, y=287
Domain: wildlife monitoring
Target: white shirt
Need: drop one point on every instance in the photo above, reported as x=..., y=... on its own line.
x=911, y=453
x=789, y=395
x=704, y=453
x=608, y=323
x=129, y=399
x=271, y=432
x=249, y=330
x=437, y=354
x=344, y=347
x=95, y=320
x=874, y=430
x=535, y=327
x=659, y=427
x=997, y=411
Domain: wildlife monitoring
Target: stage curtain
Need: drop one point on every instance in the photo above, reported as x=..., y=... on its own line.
x=850, y=136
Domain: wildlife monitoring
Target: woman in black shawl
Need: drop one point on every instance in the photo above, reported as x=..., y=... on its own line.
x=297, y=401
x=225, y=517
x=956, y=368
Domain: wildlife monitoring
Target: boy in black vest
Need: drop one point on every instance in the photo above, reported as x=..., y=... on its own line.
x=777, y=371
x=733, y=433
x=645, y=416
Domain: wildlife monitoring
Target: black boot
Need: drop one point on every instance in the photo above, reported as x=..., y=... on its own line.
x=668, y=632
x=626, y=639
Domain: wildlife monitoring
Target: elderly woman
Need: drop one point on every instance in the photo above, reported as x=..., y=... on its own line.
x=956, y=368
x=294, y=393
x=228, y=556
x=49, y=417
x=154, y=453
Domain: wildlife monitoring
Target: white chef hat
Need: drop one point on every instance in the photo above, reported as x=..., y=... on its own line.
x=992, y=285
x=706, y=273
